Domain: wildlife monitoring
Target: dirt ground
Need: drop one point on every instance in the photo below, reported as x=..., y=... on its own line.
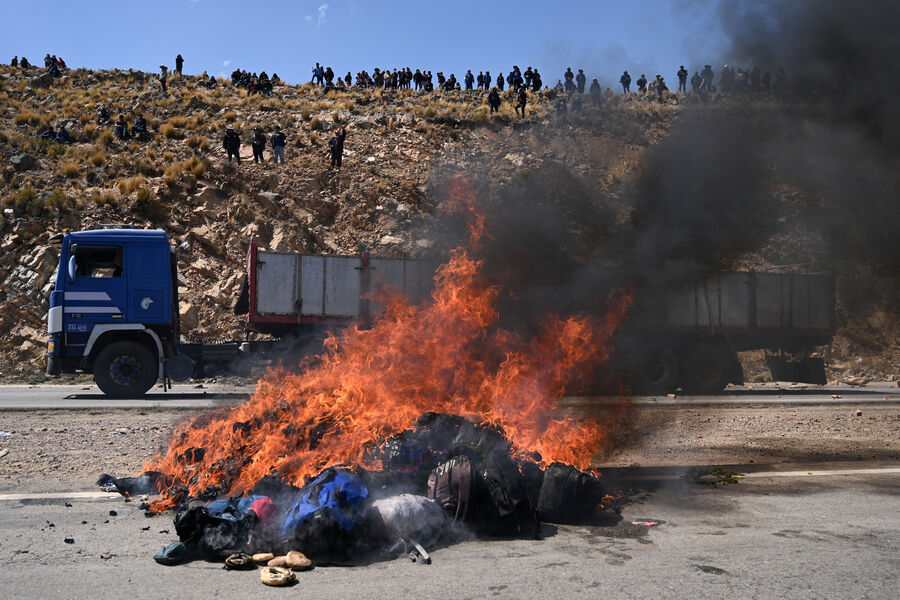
x=68, y=450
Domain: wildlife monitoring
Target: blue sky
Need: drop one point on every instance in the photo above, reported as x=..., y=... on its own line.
x=603, y=37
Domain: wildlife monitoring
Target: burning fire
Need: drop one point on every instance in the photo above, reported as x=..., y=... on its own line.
x=447, y=355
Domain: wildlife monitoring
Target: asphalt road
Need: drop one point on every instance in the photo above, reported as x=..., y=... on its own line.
x=829, y=530
x=194, y=396
x=769, y=536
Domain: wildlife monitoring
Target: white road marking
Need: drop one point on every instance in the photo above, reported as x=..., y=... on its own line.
x=62, y=496
x=818, y=473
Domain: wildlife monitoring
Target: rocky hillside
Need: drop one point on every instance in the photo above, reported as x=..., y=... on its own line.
x=400, y=147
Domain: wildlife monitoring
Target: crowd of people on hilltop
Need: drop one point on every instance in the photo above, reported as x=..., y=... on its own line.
x=253, y=83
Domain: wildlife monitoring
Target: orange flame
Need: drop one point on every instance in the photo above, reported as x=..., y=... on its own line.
x=444, y=356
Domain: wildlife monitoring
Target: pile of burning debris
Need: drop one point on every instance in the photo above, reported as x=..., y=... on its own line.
x=439, y=482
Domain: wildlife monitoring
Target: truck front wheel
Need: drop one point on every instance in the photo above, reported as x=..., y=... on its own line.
x=125, y=369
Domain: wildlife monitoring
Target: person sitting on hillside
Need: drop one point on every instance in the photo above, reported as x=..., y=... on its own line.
x=103, y=117
x=232, y=144
x=48, y=134
x=15, y=61
x=211, y=83
x=61, y=63
x=121, y=128
x=53, y=70
x=139, y=129
x=494, y=100
x=47, y=60
x=62, y=136
x=24, y=63
x=277, y=81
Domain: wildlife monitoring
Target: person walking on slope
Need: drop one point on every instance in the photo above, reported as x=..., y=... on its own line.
x=278, y=146
x=258, y=143
x=522, y=100
x=336, y=146
x=232, y=144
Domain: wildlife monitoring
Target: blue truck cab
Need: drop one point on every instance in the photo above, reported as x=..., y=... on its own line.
x=114, y=310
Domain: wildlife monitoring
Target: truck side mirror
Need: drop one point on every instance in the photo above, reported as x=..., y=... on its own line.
x=71, y=269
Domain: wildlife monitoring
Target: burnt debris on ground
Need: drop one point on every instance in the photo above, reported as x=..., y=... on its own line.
x=445, y=480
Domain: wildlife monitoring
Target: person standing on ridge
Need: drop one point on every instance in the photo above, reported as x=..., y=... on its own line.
x=682, y=80
x=625, y=80
x=642, y=83
x=580, y=80
x=596, y=92
x=178, y=63
x=163, y=75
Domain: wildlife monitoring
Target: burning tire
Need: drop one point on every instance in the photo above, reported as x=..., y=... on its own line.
x=707, y=370
x=656, y=372
x=125, y=369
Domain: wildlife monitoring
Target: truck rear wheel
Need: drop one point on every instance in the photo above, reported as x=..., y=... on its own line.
x=125, y=369
x=657, y=371
x=707, y=370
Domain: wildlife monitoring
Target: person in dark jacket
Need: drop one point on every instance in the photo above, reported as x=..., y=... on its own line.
x=163, y=75
x=494, y=100
x=696, y=82
x=62, y=136
x=625, y=80
x=278, y=141
x=642, y=83
x=336, y=146
x=15, y=61
x=682, y=80
x=24, y=64
x=178, y=62
x=580, y=80
x=139, y=129
x=500, y=81
x=232, y=144
x=521, y=101
x=469, y=79
x=596, y=92
x=258, y=143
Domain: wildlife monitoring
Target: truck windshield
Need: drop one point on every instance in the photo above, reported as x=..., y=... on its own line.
x=98, y=261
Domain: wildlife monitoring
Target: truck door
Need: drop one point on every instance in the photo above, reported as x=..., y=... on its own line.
x=95, y=291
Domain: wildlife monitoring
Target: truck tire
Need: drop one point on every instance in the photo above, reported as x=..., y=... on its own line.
x=707, y=369
x=656, y=372
x=125, y=369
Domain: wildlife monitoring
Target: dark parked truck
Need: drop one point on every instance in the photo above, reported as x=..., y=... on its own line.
x=688, y=337
x=114, y=313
